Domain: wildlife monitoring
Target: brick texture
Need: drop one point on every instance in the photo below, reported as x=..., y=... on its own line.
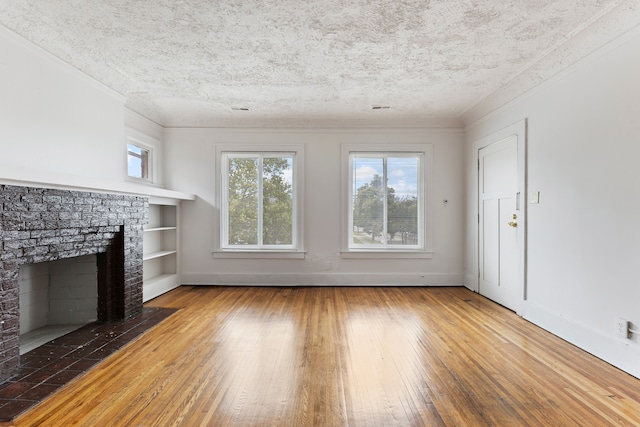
x=38, y=225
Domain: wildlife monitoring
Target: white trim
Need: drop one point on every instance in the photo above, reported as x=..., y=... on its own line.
x=482, y=111
x=155, y=200
x=427, y=178
x=386, y=254
x=265, y=254
x=145, y=134
x=194, y=131
x=298, y=190
x=13, y=175
x=323, y=279
x=607, y=346
x=159, y=254
x=520, y=130
x=150, y=161
x=139, y=123
x=371, y=122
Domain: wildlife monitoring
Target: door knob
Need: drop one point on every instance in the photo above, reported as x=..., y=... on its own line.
x=512, y=224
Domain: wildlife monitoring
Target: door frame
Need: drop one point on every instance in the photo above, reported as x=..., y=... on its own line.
x=519, y=129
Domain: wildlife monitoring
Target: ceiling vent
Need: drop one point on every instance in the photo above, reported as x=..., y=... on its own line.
x=380, y=107
x=240, y=108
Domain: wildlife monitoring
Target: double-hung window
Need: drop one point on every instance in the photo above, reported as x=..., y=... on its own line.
x=259, y=203
x=386, y=201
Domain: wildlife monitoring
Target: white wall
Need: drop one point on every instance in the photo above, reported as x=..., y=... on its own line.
x=54, y=119
x=190, y=160
x=59, y=126
x=583, y=237
x=33, y=280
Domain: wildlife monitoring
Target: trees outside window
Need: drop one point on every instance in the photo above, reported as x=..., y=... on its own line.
x=259, y=201
x=386, y=200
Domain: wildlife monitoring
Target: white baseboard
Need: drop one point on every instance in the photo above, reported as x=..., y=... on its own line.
x=471, y=282
x=324, y=279
x=619, y=352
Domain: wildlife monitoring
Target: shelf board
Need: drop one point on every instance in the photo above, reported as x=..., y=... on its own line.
x=161, y=278
x=160, y=229
x=158, y=285
x=158, y=254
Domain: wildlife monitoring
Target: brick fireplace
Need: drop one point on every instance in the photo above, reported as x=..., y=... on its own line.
x=39, y=225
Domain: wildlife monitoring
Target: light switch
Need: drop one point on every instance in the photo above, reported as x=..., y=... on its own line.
x=534, y=197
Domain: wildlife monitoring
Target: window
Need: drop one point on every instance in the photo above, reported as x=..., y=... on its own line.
x=386, y=200
x=138, y=164
x=259, y=201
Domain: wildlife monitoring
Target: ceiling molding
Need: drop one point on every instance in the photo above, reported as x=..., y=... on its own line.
x=597, y=38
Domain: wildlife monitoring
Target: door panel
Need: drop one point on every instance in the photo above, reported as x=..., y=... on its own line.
x=498, y=240
x=491, y=260
x=508, y=247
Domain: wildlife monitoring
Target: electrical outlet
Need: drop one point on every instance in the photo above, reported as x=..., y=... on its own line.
x=622, y=328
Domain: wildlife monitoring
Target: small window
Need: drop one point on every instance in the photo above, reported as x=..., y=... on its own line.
x=138, y=165
x=386, y=201
x=259, y=203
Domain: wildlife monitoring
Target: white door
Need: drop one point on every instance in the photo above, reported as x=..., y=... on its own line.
x=498, y=226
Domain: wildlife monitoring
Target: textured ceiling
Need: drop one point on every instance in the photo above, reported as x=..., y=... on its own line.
x=189, y=63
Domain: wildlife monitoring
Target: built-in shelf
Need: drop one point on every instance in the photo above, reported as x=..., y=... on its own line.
x=148, y=230
x=158, y=255
x=158, y=285
x=160, y=249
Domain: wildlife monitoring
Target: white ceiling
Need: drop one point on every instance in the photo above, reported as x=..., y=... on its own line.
x=296, y=63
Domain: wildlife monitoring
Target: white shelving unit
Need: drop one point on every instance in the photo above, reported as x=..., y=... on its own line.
x=160, y=248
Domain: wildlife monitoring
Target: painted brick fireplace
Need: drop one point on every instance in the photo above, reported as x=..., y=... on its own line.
x=39, y=225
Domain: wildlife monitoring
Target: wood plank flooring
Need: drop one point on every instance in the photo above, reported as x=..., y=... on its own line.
x=343, y=357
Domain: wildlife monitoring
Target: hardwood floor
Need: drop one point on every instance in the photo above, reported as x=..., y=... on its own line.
x=343, y=357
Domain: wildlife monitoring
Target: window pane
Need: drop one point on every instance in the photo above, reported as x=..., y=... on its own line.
x=243, y=200
x=136, y=161
x=402, y=199
x=368, y=197
x=277, y=201
x=135, y=167
x=386, y=200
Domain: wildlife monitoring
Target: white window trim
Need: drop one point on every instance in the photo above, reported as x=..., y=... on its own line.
x=151, y=173
x=427, y=175
x=295, y=252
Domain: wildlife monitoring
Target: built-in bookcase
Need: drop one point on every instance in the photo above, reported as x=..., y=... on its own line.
x=160, y=250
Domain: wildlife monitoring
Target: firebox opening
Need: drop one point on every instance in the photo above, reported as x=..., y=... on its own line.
x=56, y=297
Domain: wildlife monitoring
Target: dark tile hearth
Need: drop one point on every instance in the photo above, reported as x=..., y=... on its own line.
x=49, y=367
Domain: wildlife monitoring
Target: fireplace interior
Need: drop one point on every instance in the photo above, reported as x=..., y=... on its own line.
x=56, y=297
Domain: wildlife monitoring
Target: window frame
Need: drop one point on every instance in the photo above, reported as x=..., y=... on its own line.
x=424, y=210
x=150, y=169
x=296, y=248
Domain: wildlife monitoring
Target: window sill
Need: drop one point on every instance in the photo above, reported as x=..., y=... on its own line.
x=259, y=254
x=143, y=181
x=363, y=254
